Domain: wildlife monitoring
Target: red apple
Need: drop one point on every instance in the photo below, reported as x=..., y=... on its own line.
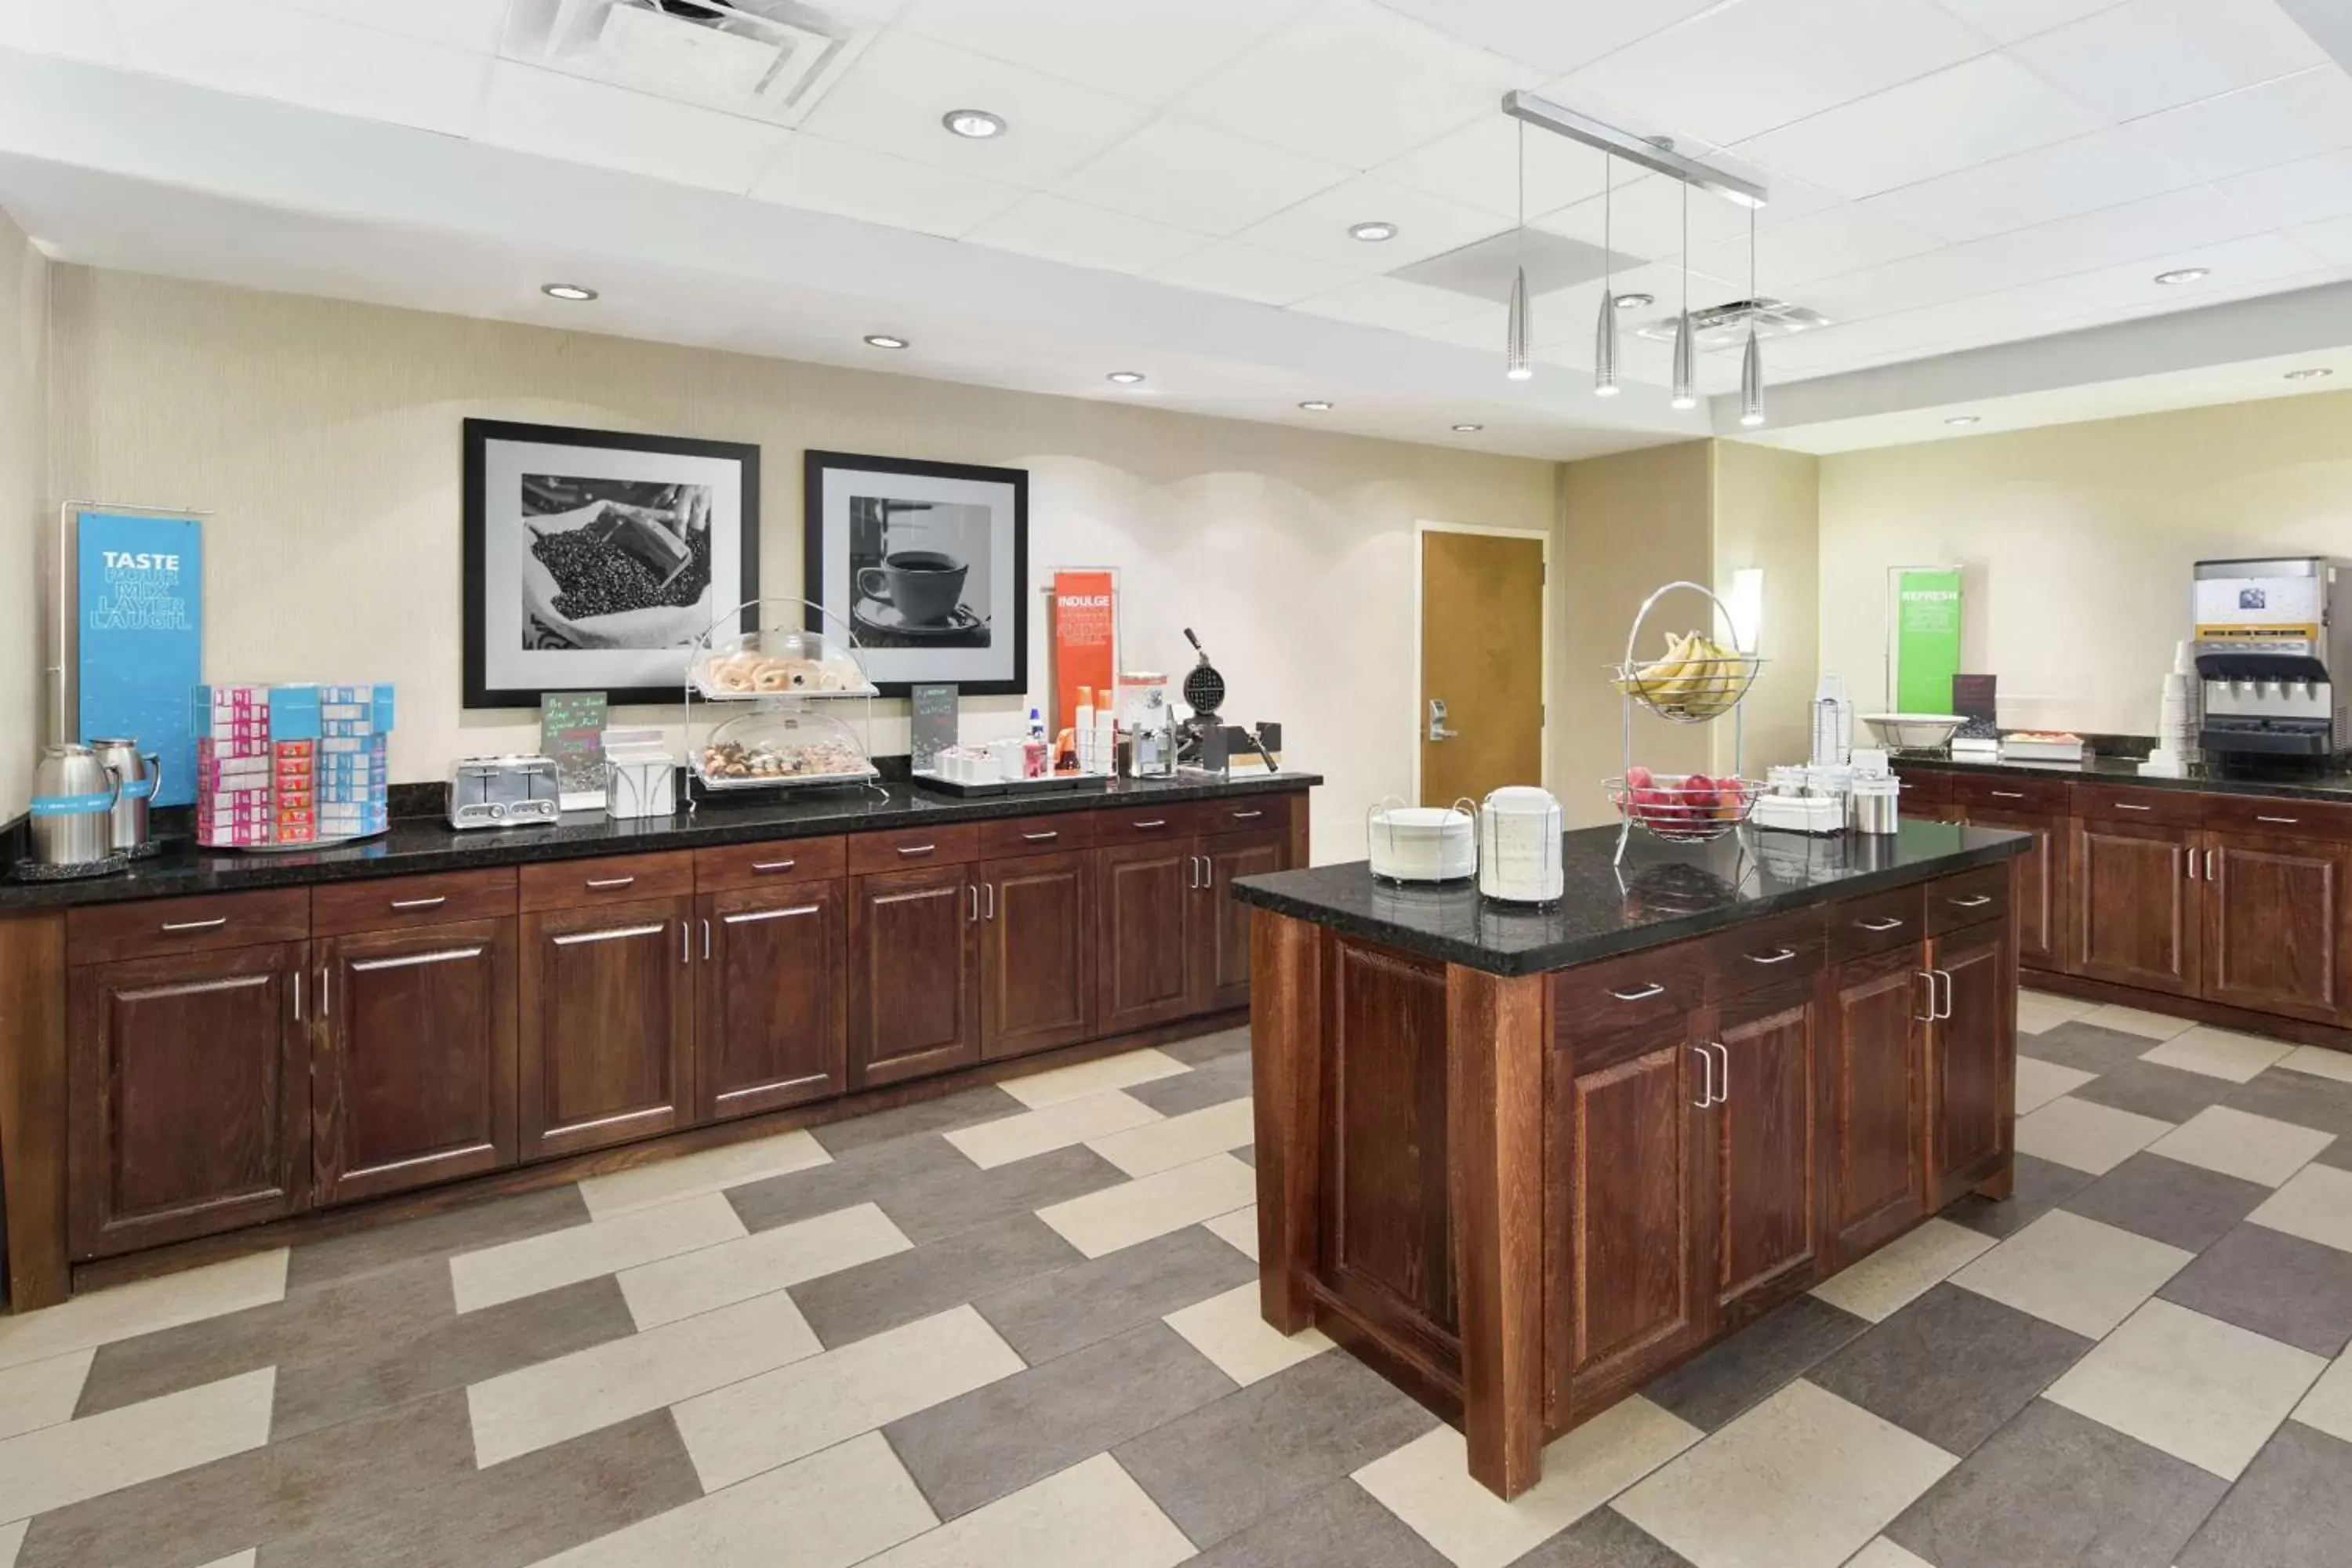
x=1639, y=777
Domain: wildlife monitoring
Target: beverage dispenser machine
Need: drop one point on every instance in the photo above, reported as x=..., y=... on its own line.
x=2274, y=651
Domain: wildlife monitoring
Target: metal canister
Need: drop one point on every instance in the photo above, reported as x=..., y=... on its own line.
x=1871, y=808
x=140, y=775
x=73, y=807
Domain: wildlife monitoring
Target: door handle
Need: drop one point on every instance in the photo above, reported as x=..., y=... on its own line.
x=297, y=995
x=685, y=942
x=410, y=961
x=2210, y=856
x=1946, y=975
x=600, y=883
x=2282, y=821
x=1706, y=1083
x=322, y=990
x=1045, y=837
x=705, y=941
x=910, y=850
x=1723, y=1091
x=1929, y=1016
x=1437, y=729
x=991, y=900
x=1889, y=923
x=2006, y=793
x=1655, y=988
x=753, y=917
x=574, y=939
x=2126, y=806
x=432, y=903
x=1783, y=956
x=214, y=923
x=2190, y=858
x=1254, y=815
x=1148, y=826
x=971, y=914
x=1975, y=902
x=774, y=864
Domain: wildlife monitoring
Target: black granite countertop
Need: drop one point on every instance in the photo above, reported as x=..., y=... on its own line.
x=429, y=844
x=2319, y=783
x=1661, y=893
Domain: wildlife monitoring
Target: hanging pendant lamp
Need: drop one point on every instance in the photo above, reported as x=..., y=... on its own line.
x=1516, y=364
x=1685, y=394
x=1751, y=362
x=1604, y=332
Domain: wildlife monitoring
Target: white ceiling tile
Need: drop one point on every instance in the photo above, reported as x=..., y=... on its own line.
x=1990, y=107
x=2305, y=191
x=1741, y=70
x=2329, y=238
x=1644, y=218
x=1199, y=178
x=559, y=116
x=2295, y=117
x=1821, y=244
x=1987, y=317
x=892, y=98
x=1389, y=302
x=2154, y=227
x=2147, y=55
x=471, y=24
x=1837, y=347
x=1252, y=272
x=1480, y=164
x=1354, y=83
x=1152, y=49
x=83, y=31
x=1483, y=328
x=834, y=177
x=1913, y=283
x=1572, y=315
x=2006, y=21
x=1554, y=36
x=2104, y=169
x=2237, y=267
x=1082, y=235
x=1427, y=226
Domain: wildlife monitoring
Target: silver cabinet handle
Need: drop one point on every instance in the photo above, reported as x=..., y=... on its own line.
x=1975, y=902
x=753, y=917
x=297, y=995
x=1045, y=837
x=410, y=961
x=1783, y=956
x=2282, y=821
x=1929, y=1016
x=2006, y=793
x=1723, y=1090
x=991, y=900
x=774, y=865
x=574, y=939
x=1208, y=875
x=705, y=941
x=434, y=902
x=1148, y=826
x=600, y=883
x=910, y=850
x=1946, y=975
x=324, y=1009
x=971, y=914
x=2126, y=806
x=1655, y=988
x=2211, y=855
x=213, y=924
x=2190, y=857
x=685, y=942
x=1889, y=923
x=1247, y=816
x=1706, y=1081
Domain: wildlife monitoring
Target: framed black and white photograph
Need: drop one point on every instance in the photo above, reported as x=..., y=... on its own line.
x=595, y=558
x=927, y=563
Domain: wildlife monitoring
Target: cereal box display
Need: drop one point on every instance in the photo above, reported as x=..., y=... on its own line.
x=279, y=765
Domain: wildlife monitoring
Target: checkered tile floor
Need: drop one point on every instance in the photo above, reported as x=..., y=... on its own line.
x=1017, y=1327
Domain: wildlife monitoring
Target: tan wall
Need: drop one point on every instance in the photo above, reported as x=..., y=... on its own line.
x=324, y=436
x=1768, y=515
x=23, y=502
x=2077, y=542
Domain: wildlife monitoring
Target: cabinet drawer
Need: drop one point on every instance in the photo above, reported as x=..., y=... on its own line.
x=2278, y=818
x=1246, y=815
x=1037, y=834
x=739, y=866
x=1640, y=988
x=1969, y=899
x=1925, y=786
x=155, y=927
x=1143, y=824
x=948, y=844
x=2113, y=802
x=1874, y=924
x=1788, y=947
x=613, y=880
x=1991, y=792
x=396, y=903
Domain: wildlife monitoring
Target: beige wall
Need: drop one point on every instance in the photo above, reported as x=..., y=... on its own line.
x=2077, y=542
x=324, y=437
x=1766, y=515
x=24, y=499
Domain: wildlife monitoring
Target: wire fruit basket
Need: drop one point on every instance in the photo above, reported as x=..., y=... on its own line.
x=1687, y=808
x=1696, y=680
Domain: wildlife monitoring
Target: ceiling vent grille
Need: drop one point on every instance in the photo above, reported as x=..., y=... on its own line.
x=770, y=59
x=1720, y=327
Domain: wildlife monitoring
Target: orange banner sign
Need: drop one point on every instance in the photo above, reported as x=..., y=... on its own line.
x=1086, y=640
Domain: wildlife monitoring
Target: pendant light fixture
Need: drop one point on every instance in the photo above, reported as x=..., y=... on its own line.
x=1686, y=394
x=1604, y=332
x=1751, y=362
x=1515, y=362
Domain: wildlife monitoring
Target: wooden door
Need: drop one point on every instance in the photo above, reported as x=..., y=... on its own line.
x=1874, y=1098
x=2278, y=925
x=1482, y=654
x=1036, y=952
x=914, y=974
x=1220, y=934
x=1763, y=1221
x=2136, y=918
x=413, y=1067
x=607, y=1025
x=2040, y=910
x=769, y=1025
x=188, y=1101
x=1145, y=960
x=1970, y=1053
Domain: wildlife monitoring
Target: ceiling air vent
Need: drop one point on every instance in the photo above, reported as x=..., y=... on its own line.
x=771, y=60
x=1726, y=326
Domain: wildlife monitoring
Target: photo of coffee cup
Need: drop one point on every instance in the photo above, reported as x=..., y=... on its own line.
x=923, y=585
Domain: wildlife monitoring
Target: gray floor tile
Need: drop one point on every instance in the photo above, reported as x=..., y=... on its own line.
x=485, y=1224
x=2289, y=1289
x=1603, y=1539
x=2042, y=1185
x=927, y=1187
x=1271, y=1446
x=2292, y=1509
x=2151, y=1089
x=864, y=1300
x=1202, y=1050
x=2054, y=1489
x=1247, y=1155
x=993, y=1441
x=1752, y=1364
x=2305, y=1100
x=1952, y=1367
x=2086, y=1047
x=1340, y=1527
x=2181, y=1205
x=944, y=1113
x=1212, y=1083
x=1046, y=1315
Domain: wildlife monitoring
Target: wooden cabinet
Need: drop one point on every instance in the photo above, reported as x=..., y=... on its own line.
x=1036, y=952
x=1969, y=1046
x=1762, y=1221
x=914, y=974
x=2132, y=919
x=413, y=1057
x=1146, y=892
x=607, y=1025
x=1220, y=934
x=2039, y=911
x=770, y=1028
x=1875, y=1097
x=188, y=1096
x=2278, y=919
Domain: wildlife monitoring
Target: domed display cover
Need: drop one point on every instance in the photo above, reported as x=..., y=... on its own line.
x=774, y=747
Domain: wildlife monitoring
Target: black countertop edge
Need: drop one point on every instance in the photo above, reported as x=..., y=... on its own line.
x=417, y=845
x=2321, y=783
x=1663, y=893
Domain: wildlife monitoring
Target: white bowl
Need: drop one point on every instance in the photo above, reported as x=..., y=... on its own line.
x=1914, y=732
x=1422, y=844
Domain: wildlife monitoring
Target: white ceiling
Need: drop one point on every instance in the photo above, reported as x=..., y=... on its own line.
x=1174, y=192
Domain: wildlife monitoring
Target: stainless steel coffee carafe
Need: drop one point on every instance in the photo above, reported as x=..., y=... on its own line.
x=139, y=775
x=74, y=797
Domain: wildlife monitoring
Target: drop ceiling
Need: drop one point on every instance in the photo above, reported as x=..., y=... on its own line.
x=1175, y=187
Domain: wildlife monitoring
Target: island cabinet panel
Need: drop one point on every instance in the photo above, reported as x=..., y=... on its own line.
x=914, y=974
x=2276, y=938
x=607, y=1005
x=413, y=1063
x=770, y=1028
x=1037, y=942
x=1875, y=1097
x=1970, y=1045
x=2134, y=920
x=1220, y=934
x=1765, y=1237
x=1147, y=961
x=188, y=1095
x=2041, y=910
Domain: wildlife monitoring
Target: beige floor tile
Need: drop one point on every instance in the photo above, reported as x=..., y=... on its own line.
x=2320, y=1062
x=12, y=1536
x=2315, y=1204
x=537, y=1406
x=828, y=1511
x=2040, y=1082
x=1237, y=1229
x=2219, y=1053
x=711, y=1171
x=2089, y=1137
x=42, y=1393
x=244, y=1559
x=1803, y=1480
x=2238, y=1143
x=1092, y=1515
x=2039, y=1010
x=1229, y=1331
x=1105, y=1221
x=518, y=1269
x=1427, y=1483
x=2136, y=1021
x=101, y=1316
x=2328, y=1405
x=60, y=1465
x=2199, y=1389
x=672, y=1288
x=1180, y=1140
x=1883, y=1553
x=1051, y=1087
x=782, y=1415
x=1904, y=1269
x=2073, y=1272
x=1054, y=1126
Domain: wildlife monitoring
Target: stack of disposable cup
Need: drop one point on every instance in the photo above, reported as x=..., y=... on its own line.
x=2177, y=719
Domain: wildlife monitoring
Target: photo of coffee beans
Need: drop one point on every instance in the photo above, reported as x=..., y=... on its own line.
x=598, y=577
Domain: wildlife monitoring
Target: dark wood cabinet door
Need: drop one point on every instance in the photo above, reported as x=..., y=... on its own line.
x=914, y=974
x=2278, y=925
x=1221, y=933
x=1036, y=942
x=2135, y=919
x=1764, y=1223
x=1874, y=1098
x=770, y=1024
x=1969, y=1048
x=188, y=1098
x=2040, y=908
x=607, y=1025
x=413, y=1074
x=1146, y=963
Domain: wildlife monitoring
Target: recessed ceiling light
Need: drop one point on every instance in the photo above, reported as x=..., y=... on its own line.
x=1469, y=429
x=1963, y=419
x=1374, y=231
x=573, y=292
x=2184, y=275
x=884, y=340
x=1636, y=302
x=1316, y=405
x=1127, y=377
x=2313, y=374
x=978, y=124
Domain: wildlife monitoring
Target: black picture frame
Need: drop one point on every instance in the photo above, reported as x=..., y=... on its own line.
x=487, y=685
x=999, y=666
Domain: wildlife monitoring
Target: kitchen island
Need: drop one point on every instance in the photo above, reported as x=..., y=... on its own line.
x=1521, y=1161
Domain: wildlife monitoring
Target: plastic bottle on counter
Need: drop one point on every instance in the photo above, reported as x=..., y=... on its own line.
x=1037, y=757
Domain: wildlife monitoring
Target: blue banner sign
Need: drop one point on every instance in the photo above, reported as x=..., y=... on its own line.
x=140, y=638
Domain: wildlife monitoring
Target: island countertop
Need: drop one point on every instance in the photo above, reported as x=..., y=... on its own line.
x=1661, y=893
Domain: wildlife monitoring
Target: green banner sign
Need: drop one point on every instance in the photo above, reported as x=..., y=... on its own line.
x=1927, y=639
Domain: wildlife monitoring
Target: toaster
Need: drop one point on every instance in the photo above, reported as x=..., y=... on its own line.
x=503, y=792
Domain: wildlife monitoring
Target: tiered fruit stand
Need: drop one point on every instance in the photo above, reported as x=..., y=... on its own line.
x=1684, y=690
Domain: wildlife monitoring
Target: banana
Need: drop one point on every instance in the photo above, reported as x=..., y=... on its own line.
x=1662, y=681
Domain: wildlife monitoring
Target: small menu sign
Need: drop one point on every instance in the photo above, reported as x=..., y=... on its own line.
x=571, y=733
x=935, y=713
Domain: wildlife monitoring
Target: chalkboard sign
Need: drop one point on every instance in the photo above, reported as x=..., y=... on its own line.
x=935, y=723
